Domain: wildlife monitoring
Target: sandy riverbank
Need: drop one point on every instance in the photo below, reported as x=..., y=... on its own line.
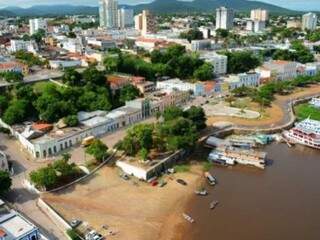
x=272, y=115
x=138, y=212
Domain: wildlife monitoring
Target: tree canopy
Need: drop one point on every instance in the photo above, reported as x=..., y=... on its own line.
x=5, y=182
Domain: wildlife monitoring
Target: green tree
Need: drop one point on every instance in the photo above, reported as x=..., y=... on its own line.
x=45, y=177
x=12, y=77
x=197, y=116
x=71, y=120
x=5, y=182
x=72, y=77
x=16, y=112
x=204, y=72
x=93, y=76
x=241, y=61
x=171, y=113
x=192, y=34
x=128, y=93
x=98, y=150
x=4, y=102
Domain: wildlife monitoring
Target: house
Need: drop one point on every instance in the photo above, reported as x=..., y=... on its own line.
x=117, y=82
x=278, y=70
x=196, y=88
x=218, y=61
x=13, y=67
x=149, y=44
x=250, y=79
x=14, y=226
x=57, y=64
x=97, y=123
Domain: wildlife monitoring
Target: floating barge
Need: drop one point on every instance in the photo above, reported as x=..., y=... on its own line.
x=231, y=155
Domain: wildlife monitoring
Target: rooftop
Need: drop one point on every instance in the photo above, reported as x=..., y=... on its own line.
x=14, y=226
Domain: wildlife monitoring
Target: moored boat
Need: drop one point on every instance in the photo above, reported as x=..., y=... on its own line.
x=188, y=218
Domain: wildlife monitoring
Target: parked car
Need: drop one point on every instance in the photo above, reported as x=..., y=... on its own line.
x=75, y=223
x=154, y=183
x=182, y=182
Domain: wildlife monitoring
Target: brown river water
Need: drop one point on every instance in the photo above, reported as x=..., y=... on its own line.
x=281, y=202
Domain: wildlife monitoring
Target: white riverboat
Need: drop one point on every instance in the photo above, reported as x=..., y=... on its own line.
x=306, y=132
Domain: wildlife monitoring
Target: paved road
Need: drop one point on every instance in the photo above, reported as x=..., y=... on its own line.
x=22, y=199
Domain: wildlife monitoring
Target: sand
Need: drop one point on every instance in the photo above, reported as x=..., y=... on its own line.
x=138, y=212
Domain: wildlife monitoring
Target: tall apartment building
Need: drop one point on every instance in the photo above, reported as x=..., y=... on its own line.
x=125, y=18
x=145, y=22
x=218, y=61
x=224, y=18
x=108, y=12
x=259, y=15
x=309, y=21
x=36, y=24
x=138, y=22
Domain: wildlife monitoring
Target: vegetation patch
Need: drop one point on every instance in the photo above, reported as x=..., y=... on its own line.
x=306, y=110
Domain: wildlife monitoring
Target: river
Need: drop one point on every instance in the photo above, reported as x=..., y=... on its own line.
x=280, y=202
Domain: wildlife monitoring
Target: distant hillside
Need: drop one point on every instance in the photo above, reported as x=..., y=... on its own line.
x=171, y=6
x=6, y=13
x=52, y=10
x=157, y=6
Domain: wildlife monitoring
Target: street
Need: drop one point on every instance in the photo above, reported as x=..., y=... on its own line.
x=23, y=200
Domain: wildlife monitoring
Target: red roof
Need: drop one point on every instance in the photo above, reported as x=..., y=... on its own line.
x=138, y=79
x=2, y=233
x=42, y=126
x=10, y=65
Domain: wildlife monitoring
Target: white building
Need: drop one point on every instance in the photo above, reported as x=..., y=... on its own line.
x=14, y=226
x=73, y=45
x=176, y=84
x=315, y=102
x=57, y=64
x=206, y=32
x=125, y=18
x=224, y=18
x=309, y=21
x=250, y=79
x=47, y=144
x=18, y=45
x=36, y=24
x=255, y=26
x=278, y=70
x=108, y=12
x=197, y=45
x=218, y=61
x=259, y=14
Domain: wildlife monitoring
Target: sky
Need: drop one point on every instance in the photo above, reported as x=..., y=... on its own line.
x=292, y=4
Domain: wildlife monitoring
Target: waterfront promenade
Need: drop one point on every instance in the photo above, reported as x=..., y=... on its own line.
x=281, y=113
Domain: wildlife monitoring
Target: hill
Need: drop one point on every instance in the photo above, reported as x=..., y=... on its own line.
x=157, y=6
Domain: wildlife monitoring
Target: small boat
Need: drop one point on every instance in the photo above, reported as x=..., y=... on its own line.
x=213, y=204
x=202, y=192
x=211, y=180
x=188, y=218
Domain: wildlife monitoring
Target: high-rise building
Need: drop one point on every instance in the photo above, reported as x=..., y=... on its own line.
x=148, y=22
x=224, y=18
x=145, y=22
x=138, y=22
x=108, y=11
x=259, y=15
x=309, y=21
x=36, y=24
x=125, y=18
